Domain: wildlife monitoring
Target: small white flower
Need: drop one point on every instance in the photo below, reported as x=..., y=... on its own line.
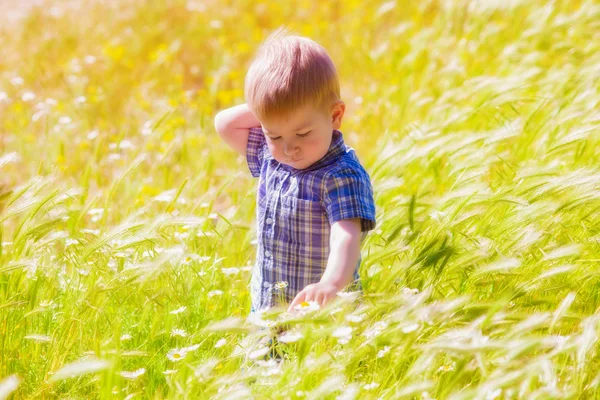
x=28, y=96
x=383, y=352
x=344, y=334
x=65, y=120
x=281, y=285
x=191, y=348
x=126, y=145
x=370, y=386
x=179, y=310
x=215, y=293
x=230, y=271
x=39, y=338
x=270, y=363
x=216, y=24
x=89, y=59
x=166, y=196
x=375, y=330
x=220, y=343
x=409, y=292
x=96, y=211
x=342, y=331
x=355, y=318
x=134, y=374
x=71, y=242
x=46, y=303
x=169, y=371
x=125, y=337
x=437, y=215
x=290, y=337
x=258, y=353
x=348, y=295
x=446, y=368
x=178, y=332
x=426, y=396
x=147, y=129
x=306, y=307
x=176, y=354
x=410, y=328
x=80, y=99
x=92, y=135
x=17, y=81
x=492, y=394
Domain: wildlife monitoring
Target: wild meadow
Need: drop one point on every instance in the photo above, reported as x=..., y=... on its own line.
x=127, y=226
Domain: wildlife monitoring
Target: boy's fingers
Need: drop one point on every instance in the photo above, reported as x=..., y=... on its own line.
x=297, y=300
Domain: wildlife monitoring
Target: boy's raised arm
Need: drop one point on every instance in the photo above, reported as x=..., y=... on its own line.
x=233, y=125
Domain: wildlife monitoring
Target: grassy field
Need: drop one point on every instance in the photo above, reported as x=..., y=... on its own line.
x=127, y=226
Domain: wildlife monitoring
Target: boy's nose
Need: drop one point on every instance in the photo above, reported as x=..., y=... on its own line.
x=289, y=150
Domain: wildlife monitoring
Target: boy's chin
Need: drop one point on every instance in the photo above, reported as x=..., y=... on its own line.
x=300, y=164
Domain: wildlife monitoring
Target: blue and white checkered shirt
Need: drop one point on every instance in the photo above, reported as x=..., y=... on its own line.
x=295, y=211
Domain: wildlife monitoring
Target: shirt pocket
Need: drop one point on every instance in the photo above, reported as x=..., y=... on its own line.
x=303, y=223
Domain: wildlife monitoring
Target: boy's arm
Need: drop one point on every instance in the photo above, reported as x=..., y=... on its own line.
x=344, y=251
x=233, y=125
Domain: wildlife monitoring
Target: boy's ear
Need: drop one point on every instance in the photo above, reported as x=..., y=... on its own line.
x=337, y=113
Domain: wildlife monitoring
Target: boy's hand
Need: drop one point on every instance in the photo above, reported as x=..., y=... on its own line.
x=321, y=292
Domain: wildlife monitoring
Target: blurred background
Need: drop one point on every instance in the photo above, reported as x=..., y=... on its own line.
x=119, y=204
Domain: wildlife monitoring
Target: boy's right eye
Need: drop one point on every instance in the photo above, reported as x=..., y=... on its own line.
x=275, y=138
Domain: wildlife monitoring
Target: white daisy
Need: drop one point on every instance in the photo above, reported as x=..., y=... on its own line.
x=355, y=318
x=193, y=347
x=306, y=307
x=134, y=374
x=179, y=310
x=383, y=352
x=344, y=334
x=258, y=353
x=176, y=354
x=290, y=337
x=370, y=386
x=230, y=271
x=178, y=332
x=220, y=343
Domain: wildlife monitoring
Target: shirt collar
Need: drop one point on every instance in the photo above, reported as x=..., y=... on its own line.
x=336, y=149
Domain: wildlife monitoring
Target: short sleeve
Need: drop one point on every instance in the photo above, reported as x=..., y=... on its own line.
x=255, y=150
x=349, y=194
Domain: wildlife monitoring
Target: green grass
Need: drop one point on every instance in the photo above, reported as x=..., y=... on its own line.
x=478, y=122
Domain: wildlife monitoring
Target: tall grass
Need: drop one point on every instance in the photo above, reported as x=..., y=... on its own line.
x=127, y=227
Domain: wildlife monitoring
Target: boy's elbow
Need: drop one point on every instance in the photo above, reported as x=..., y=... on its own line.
x=219, y=123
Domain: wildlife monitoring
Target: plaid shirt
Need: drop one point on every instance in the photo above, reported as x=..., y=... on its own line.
x=295, y=211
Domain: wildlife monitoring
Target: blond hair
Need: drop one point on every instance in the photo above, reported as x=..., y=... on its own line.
x=289, y=72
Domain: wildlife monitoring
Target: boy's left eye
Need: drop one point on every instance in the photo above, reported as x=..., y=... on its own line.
x=303, y=134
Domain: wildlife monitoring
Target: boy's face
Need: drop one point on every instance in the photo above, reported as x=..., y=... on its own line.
x=303, y=137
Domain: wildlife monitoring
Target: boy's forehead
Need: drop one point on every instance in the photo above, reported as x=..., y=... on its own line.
x=292, y=121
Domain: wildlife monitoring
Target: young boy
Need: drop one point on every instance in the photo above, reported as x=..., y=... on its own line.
x=315, y=200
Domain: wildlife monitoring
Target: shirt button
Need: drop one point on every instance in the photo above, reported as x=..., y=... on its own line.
x=266, y=284
x=269, y=220
x=267, y=253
